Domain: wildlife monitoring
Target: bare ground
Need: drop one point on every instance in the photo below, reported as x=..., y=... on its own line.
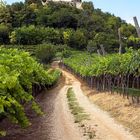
x=58, y=122
x=119, y=108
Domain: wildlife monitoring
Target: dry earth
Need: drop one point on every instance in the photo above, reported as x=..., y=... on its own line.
x=118, y=107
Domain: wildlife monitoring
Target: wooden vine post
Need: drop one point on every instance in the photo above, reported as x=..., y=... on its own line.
x=137, y=26
x=120, y=40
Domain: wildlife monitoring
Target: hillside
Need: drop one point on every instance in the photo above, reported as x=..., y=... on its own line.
x=30, y=23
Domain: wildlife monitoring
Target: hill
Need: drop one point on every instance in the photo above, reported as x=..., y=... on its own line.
x=26, y=23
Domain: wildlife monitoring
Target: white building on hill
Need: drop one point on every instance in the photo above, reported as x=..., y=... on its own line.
x=76, y=3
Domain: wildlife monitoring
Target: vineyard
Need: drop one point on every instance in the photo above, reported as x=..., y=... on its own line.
x=113, y=73
x=22, y=77
x=48, y=49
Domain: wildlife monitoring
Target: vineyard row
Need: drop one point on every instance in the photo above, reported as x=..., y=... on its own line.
x=112, y=73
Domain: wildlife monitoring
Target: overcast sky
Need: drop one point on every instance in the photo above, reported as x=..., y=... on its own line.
x=126, y=9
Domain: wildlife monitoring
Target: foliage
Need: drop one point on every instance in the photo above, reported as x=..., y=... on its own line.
x=19, y=73
x=88, y=6
x=56, y=23
x=127, y=30
x=77, y=40
x=64, y=18
x=4, y=34
x=29, y=2
x=111, y=73
x=31, y=35
x=133, y=42
x=113, y=64
x=5, y=16
x=45, y=52
x=92, y=46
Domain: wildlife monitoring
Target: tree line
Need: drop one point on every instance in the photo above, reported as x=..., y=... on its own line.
x=31, y=23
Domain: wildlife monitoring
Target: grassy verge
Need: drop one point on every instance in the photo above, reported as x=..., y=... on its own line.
x=79, y=114
x=76, y=110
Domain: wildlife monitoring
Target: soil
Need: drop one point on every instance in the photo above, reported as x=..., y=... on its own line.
x=119, y=108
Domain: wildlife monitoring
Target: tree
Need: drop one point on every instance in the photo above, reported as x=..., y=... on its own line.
x=32, y=35
x=27, y=35
x=4, y=34
x=86, y=21
x=45, y=52
x=38, y=2
x=17, y=11
x=109, y=41
x=2, y=4
x=66, y=35
x=52, y=35
x=17, y=6
x=78, y=40
x=5, y=16
x=99, y=23
x=113, y=23
x=91, y=46
x=64, y=18
x=133, y=42
x=88, y=6
x=127, y=30
x=29, y=17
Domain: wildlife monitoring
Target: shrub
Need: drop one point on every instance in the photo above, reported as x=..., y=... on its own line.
x=45, y=52
x=32, y=35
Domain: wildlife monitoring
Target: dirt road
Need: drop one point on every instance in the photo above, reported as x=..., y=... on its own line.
x=106, y=127
x=58, y=122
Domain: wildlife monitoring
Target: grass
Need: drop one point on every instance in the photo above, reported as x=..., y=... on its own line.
x=76, y=110
x=79, y=114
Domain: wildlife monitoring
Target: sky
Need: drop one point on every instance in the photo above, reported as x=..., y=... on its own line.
x=126, y=9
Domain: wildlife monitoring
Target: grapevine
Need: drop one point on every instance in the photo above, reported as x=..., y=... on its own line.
x=19, y=72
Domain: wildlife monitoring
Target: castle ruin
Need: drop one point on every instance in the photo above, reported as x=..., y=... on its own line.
x=75, y=3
